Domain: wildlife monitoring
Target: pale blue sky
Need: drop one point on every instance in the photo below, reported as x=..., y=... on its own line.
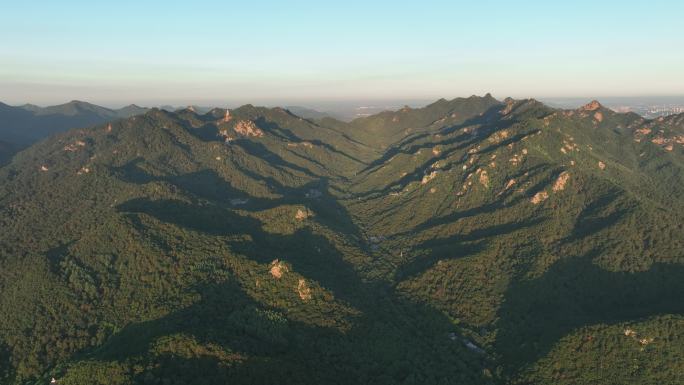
x=222, y=52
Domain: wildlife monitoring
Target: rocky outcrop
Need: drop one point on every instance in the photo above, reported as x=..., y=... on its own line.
x=248, y=128
x=73, y=147
x=83, y=170
x=592, y=106
x=499, y=136
x=428, y=177
x=278, y=268
x=560, y=183
x=303, y=290
x=510, y=184
x=484, y=178
x=301, y=214
x=539, y=197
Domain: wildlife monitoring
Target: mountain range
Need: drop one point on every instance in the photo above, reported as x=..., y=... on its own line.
x=24, y=125
x=472, y=241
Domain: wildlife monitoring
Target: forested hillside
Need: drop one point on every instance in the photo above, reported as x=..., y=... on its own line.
x=6, y=152
x=24, y=125
x=472, y=241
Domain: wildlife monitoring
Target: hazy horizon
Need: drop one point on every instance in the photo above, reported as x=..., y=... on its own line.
x=271, y=53
x=388, y=104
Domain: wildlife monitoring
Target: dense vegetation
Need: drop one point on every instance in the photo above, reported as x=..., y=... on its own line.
x=471, y=241
x=24, y=125
x=7, y=150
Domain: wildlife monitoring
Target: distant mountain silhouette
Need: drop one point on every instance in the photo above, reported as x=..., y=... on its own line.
x=24, y=125
x=310, y=113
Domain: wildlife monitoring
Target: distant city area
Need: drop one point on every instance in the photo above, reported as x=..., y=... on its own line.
x=652, y=111
x=648, y=107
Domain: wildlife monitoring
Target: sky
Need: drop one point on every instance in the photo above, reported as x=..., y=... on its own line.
x=301, y=52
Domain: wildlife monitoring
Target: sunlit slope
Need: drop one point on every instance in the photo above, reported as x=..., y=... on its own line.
x=470, y=241
x=530, y=223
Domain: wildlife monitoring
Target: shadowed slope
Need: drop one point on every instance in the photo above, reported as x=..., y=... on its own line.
x=470, y=241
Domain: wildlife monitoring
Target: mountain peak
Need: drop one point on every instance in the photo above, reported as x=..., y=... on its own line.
x=31, y=107
x=592, y=106
x=79, y=103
